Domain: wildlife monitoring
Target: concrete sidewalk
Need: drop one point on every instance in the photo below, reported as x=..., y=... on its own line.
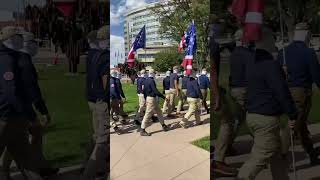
x=162, y=156
x=304, y=170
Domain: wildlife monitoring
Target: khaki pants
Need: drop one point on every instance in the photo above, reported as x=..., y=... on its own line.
x=166, y=105
x=184, y=96
x=142, y=106
x=204, y=93
x=266, y=148
x=239, y=95
x=173, y=96
x=97, y=162
x=303, y=101
x=151, y=107
x=14, y=137
x=225, y=135
x=194, y=109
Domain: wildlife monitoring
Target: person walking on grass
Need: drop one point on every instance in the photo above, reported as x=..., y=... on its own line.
x=151, y=93
x=97, y=96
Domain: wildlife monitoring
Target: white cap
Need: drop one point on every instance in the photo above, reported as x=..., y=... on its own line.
x=168, y=73
x=301, y=32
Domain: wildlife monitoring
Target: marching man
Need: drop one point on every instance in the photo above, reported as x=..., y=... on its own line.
x=151, y=93
x=194, y=97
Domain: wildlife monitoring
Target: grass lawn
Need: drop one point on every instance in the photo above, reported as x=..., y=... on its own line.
x=70, y=130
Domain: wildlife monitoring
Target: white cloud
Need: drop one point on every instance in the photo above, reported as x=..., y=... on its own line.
x=116, y=45
x=120, y=9
x=133, y=4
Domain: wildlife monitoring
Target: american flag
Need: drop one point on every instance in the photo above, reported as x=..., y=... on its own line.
x=139, y=42
x=191, y=42
x=183, y=43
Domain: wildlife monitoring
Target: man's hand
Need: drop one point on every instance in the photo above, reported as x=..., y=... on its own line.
x=35, y=126
x=292, y=124
x=46, y=120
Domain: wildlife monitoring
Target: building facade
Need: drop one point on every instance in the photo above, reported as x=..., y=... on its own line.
x=134, y=21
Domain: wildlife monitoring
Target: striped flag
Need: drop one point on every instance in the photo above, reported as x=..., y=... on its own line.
x=183, y=43
x=139, y=42
x=191, y=42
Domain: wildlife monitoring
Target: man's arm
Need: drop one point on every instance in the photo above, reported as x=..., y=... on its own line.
x=30, y=81
x=154, y=89
x=276, y=80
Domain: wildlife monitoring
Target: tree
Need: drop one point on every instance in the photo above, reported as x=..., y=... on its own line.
x=175, y=17
x=165, y=60
x=293, y=11
x=131, y=72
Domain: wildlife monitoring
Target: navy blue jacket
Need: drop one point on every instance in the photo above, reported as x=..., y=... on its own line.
x=238, y=61
x=184, y=83
x=114, y=90
x=97, y=67
x=204, y=81
x=173, y=77
x=302, y=65
x=150, y=89
x=268, y=92
x=11, y=85
x=166, y=83
x=193, y=89
x=29, y=77
x=140, y=82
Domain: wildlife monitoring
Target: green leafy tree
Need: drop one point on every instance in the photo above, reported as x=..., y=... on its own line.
x=175, y=17
x=131, y=72
x=165, y=60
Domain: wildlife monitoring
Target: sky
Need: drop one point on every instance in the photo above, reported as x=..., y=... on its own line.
x=117, y=10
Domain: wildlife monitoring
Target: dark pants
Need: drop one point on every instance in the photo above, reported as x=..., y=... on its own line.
x=14, y=137
x=36, y=133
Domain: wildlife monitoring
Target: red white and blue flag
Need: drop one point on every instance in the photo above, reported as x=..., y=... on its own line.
x=183, y=43
x=139, y=42
x=191, y=42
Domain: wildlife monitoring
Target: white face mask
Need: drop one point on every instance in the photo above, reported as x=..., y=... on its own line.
x=14, y=43
x=176, y=71
x=152, y=75
x=104, y=44
x=30, y=47
x=204, y=72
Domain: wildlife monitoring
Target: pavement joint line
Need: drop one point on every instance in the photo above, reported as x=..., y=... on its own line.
x=126, y=152
x=146, y=164
x=198, y=164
